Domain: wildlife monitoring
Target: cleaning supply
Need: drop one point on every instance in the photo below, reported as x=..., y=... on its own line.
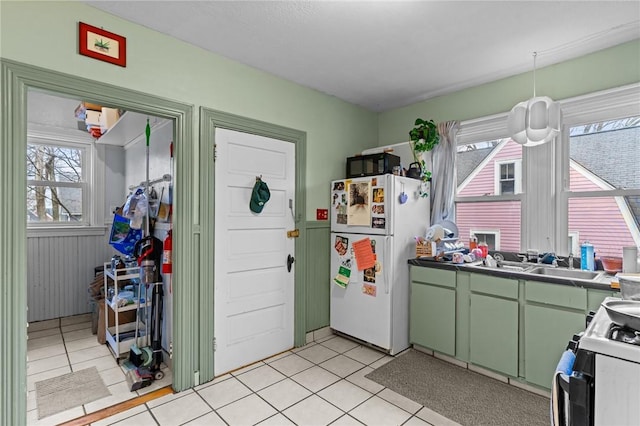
x=473, y=242
x=587, y=261
x=484, y=248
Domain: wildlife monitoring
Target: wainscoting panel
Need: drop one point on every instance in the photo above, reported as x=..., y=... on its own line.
x=59, y=271
x=318, y=282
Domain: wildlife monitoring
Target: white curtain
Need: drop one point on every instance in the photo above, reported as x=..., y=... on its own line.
x=443, y=179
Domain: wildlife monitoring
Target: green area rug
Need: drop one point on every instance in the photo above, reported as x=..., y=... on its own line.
x=459, y=394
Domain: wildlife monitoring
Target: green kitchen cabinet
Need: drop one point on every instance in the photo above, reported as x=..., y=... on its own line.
x=552, y=315
x=432, y=311
x=596, y=297
x=493, y=323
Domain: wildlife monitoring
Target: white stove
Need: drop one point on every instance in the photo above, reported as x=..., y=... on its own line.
x=603, y=337
x=607, y=369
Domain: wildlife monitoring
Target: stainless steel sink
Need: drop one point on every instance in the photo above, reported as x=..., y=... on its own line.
x=563, y=273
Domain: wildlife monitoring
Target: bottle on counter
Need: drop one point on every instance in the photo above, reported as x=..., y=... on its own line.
x=484, y=248
x=587, y=256
x=473, y=242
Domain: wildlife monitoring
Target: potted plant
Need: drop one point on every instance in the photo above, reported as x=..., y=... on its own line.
x=423, y=137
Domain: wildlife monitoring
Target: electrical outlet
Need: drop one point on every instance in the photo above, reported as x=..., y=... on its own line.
x=322, y=214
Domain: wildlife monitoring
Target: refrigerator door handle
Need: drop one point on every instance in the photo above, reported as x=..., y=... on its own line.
x=387, y=274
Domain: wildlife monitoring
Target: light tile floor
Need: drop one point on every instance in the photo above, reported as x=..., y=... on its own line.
x=63, y=345
x=321, y=383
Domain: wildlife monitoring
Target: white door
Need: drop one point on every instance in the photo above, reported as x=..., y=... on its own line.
x=254, y=289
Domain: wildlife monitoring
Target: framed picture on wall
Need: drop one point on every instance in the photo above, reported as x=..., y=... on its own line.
x=103, y=45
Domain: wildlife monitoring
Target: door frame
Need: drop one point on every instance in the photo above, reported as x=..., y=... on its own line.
x=16, y=79
x=209, y=120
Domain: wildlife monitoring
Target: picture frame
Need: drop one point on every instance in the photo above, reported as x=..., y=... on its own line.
x=102, y=45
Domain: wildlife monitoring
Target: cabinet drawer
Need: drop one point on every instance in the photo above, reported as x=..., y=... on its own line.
x=434, y=276
x=487, y=284
x=556, y=294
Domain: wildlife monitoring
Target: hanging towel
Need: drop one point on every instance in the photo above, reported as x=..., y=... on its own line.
x=564, y=369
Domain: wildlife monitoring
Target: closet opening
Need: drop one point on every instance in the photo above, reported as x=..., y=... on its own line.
x=99, y=262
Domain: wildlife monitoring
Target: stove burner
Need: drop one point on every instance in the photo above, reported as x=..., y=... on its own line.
x=624, y=334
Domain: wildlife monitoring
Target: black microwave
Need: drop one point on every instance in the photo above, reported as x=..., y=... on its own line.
x=371, y=164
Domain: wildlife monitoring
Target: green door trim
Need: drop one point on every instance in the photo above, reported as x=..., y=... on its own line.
x=209, y=120
x=16, y=79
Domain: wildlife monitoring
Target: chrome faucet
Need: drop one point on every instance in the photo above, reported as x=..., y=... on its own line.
x=570, y=260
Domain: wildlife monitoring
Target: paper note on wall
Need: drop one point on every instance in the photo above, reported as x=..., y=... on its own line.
x=365, y=257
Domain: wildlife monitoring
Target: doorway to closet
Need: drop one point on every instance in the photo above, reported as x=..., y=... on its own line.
x=81, y=170
x=18, y=79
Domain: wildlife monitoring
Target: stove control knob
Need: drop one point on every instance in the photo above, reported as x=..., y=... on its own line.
x=590, y=316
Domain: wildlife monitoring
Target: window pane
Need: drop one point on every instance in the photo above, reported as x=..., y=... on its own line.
x=497, y=217
x=490, y=239
x=507, y=171
x=477, y=163
x=53, y=204
x=606, y=222
x=605, y=155
x=54, y=163
x=508, y=187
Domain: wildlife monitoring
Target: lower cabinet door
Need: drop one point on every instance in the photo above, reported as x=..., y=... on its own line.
x=547, y=331
x=432, y=317
x=494, y=333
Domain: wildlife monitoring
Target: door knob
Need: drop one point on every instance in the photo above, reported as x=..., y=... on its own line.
x=290, y=260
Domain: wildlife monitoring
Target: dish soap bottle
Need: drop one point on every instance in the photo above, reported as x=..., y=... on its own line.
x=484, y=247
x=587, y=262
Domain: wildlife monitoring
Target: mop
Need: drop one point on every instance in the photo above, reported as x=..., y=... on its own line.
x=147, y=356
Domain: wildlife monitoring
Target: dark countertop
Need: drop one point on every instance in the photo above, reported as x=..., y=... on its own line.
x=600, y=283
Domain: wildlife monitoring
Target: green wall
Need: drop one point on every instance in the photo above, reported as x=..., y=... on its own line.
x=45, y=34
x=605, y=69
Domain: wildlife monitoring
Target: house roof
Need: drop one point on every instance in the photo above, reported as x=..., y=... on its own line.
x=467, y=162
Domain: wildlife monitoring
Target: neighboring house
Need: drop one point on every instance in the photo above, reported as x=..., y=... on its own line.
x=497, y=223
x=609, y=223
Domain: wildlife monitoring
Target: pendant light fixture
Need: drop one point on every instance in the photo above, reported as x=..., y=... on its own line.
x=535, y=121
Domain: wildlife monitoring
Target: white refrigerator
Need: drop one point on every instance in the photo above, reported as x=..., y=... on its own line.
x=374, y=222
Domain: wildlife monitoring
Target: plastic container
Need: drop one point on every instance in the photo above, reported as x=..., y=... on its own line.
x=611, y=264
x=630, y=259
x=587, y=261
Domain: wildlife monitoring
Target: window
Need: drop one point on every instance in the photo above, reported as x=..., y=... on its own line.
x=584, y=185
x=56, y=183
x=491, y=237
x=604, y=177
x=508, y=177
x=488, y=201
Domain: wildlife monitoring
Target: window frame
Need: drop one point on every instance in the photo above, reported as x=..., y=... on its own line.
x=611, y=104
x=92, y=190
x=480, y=231
x=517, y=176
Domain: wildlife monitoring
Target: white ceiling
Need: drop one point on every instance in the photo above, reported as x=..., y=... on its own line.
x=387, y=54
